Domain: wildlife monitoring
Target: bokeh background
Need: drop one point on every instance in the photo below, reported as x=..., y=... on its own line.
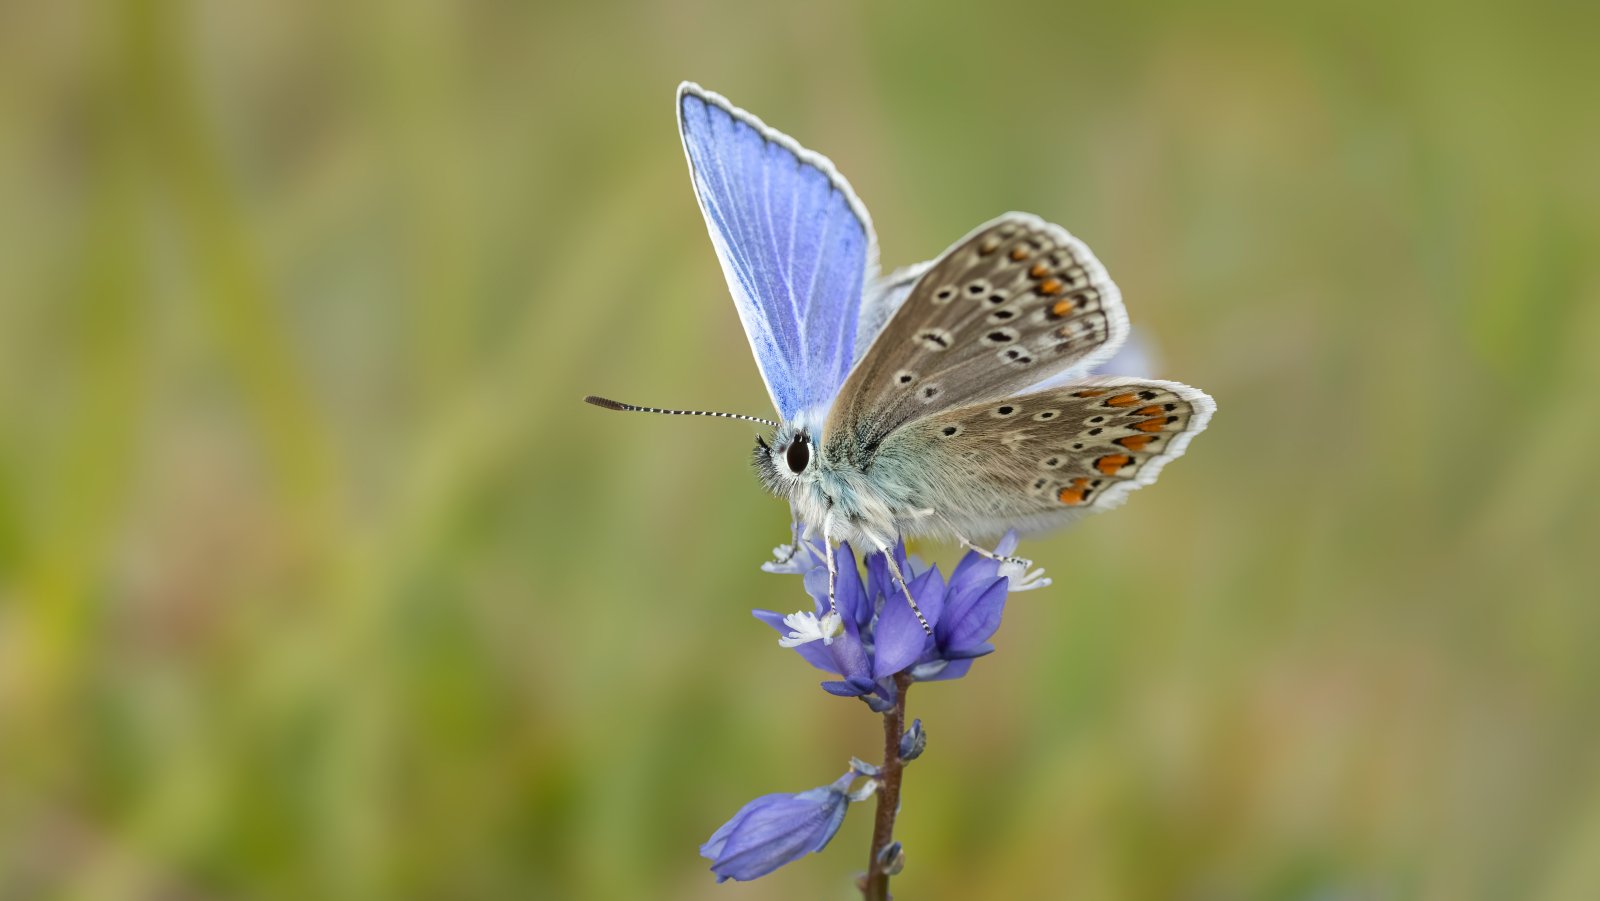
x=317, y=581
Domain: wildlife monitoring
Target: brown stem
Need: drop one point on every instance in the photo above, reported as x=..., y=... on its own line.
x=875, y=887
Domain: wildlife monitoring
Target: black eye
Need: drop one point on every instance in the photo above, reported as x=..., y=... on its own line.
x=799, y=454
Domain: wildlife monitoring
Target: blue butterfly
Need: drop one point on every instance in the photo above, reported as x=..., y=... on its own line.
x=951, y=398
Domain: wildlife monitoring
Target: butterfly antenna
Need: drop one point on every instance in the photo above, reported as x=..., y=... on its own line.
x=610, y=404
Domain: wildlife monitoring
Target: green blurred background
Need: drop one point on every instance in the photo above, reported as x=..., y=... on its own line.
x=317, y=581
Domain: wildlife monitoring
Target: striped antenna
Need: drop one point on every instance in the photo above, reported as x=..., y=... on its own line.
x=610, y=404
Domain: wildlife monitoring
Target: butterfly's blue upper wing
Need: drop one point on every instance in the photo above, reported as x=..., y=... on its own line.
x=795, y=244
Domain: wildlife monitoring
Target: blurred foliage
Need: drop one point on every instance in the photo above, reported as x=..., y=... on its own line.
x=316, y=580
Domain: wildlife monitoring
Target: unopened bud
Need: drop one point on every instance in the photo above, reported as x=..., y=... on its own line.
x=913, y=741
x=892, y=859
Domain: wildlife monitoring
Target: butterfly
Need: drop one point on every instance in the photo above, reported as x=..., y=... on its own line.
x=949, y=399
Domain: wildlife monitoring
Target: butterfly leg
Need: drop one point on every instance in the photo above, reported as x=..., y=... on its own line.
x=833, y=565
x=894, y=570
x=999, y=558
x=797, y=538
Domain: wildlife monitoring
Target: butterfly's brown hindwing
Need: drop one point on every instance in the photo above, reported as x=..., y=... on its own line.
x=1040, y=459
x=1017, y=301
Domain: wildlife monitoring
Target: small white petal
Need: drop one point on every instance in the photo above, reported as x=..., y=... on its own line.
x=864, y=791
x=792, y=560
x=805, y=628
x=1021, y=579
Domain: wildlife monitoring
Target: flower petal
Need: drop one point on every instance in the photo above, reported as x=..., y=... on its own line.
x=970, y=653
x=777, y=829
x=796, y=557
x=959, y=598
x=805, y=628
x=975, y=567
x=1007, y=545
x=1022, y=579
x=845, y=655
x=854, y=604
x=973, y=570
x=848, y=594
x=972, y=625
x=878, y=703
x=880, y=584
x=816, y=585
x=817, y=654
x=955, y=669
x=899, y=636
x=850, y=658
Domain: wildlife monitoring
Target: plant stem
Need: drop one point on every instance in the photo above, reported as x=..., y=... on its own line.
x=875, y=887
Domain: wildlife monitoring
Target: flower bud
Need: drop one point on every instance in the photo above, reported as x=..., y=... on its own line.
x=777, y=829
x=913, y=741
x=892, y=859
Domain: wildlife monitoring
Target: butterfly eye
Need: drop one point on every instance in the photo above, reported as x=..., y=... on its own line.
x=798, y=456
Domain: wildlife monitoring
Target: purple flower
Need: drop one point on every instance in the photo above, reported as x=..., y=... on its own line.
x=777, y=829
x=875, y=635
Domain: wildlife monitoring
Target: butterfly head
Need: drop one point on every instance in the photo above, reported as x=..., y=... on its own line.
x=787, y=462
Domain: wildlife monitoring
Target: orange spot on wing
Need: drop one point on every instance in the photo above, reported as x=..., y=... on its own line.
x=1111, y=463
x=1152, y=410
x=1122, y=400
x=1074, y=494
x=1087, y=393
x=1134, y=442
x=1039, y=270
x=1051, y=286
x=1151, y=425
x=1019, y=253
x=1061, y=308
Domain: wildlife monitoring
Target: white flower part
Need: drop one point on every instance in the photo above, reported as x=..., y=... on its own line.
x=806, y=627
x=866, y=790
x=792, y=559
x=786, y=559
x=1021, y=579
